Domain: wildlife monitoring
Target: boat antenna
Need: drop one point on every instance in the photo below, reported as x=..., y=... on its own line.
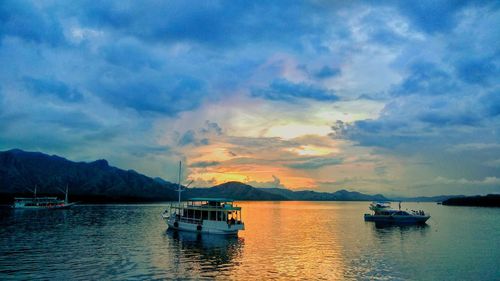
x=179, y=190
x=187, y=185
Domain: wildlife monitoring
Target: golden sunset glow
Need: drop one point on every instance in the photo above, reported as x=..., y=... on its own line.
x=291, y=131
x=252, y=173
x=313, y=150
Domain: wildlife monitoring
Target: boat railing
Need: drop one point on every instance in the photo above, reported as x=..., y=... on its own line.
x=191, y=220
x=234, y=222
x=184, y=205
x=420, y=213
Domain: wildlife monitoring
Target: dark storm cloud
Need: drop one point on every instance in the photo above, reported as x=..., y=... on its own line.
x=24, y=20
x=491, y=103
x=478, y=71
x=50, y=86
x=327, y=72
x=212, y=23
x=153, y=94
x=425, y=79
x=130, y=54
x=434, y=16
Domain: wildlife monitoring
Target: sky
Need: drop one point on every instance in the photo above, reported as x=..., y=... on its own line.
x=392, y=97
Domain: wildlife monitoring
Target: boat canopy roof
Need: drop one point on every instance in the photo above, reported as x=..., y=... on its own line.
x=381, y=204
x=211, y=199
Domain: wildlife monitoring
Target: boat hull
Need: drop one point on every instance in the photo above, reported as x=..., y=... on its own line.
x=412, y=219
x=58, y=207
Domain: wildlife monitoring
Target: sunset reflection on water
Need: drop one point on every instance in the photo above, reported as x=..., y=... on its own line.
x=290, y=240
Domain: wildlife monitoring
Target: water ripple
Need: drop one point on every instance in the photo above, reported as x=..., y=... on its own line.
x=282, y=241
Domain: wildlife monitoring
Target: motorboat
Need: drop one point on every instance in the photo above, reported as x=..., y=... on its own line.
x=382, y=212
x=204, y=215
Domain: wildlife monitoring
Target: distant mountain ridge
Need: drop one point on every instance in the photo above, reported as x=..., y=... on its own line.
x=340, y=195
x=438, y=198
x=98, y=182
x=89, y=182
x=234, y=190
x=241, y=191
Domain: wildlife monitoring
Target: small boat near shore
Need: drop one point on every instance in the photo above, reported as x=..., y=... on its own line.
x=35, y=202
x=382, y=212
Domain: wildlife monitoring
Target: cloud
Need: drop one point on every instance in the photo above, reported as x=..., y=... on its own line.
x=187, y=138
x=425, y=79
x=327, y=72
x=28, y=22
x=50, y=86
x=315, y=163
x=433, y=16
x=473, y=147
x=275, y=183
x=178, y=21
x=154, y=94
x=202, y=136
x=211, y=128
x=130, y=54
x=468, y=182
x=134, y=82
x=204, y=164
x=477, y=71
x=490, y=103
x=284, y=90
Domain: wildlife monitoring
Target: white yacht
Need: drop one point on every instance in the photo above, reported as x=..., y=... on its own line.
x=204, y=215
x=382, y=212
x=36, y=202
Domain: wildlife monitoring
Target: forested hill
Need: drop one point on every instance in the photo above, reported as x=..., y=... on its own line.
x=95, y=181
x=98, y=182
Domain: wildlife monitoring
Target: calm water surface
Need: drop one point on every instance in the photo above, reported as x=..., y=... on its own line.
x=282, y=240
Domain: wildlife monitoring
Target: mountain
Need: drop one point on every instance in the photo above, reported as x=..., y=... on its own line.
x=96, y=181
x=490, y=200
x=233, y=190
x=439, y=198
x=340, y=195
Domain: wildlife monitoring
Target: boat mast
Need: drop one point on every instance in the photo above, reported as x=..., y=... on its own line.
x=66, y=195
x=179, y=183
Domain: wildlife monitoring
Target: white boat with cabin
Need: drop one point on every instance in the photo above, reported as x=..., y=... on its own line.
x=204, y=215
x=382, y=212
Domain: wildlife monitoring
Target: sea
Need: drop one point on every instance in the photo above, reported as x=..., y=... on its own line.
x=282, y=241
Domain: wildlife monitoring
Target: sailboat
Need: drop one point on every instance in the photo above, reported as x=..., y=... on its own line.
x=36, y=202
